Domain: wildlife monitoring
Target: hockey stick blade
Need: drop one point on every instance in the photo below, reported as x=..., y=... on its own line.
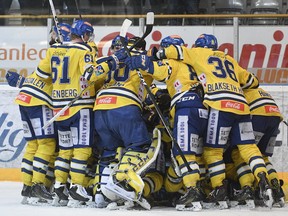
x=124, y=28
x=149, y=27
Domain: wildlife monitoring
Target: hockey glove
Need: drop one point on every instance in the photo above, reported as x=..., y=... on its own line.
x=116, y=60
x=142, y=62
x=152, y=54
x=171, y=52
x=14, y=79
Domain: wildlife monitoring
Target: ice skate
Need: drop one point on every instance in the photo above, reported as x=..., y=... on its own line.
x=190, y=201
x=77, y=196
x=278, y=193
x=265, y=190
x=217, y=198
x=41, y=191
x=120, y=205
x=124, y=191
x=243, y=198
x=61, y=195
x=25, y=193
x=35, y=200
x=100, y=200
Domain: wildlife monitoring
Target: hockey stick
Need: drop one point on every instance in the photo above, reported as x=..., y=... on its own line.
x=285, y=122
x=149, y=27
x=124, y=28
x=149, y=22
x=56, y=20
x=78, y=10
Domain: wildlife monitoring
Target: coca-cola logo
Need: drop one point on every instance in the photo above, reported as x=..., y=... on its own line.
x=232, y=105
x=106, y=100
x=24, y=98
x=272, y=109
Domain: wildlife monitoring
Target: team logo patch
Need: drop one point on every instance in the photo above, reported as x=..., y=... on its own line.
x=232, y=105
x=271, y=109
x=160, y=63
x=23, y=97
x=99, y=70
x=106, y=100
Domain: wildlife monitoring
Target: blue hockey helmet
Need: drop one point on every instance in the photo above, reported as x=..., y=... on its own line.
x=207, y=41
x=81, y=27
x=117, y=44
x=65, y=29
x=172, y=39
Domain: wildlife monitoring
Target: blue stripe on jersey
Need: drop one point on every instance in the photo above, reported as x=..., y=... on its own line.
x=216, y=96
x=42, y=73
x=116, y=91
x=49, y=101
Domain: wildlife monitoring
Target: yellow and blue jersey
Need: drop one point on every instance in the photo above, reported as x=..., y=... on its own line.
x=221, y=76
x=261, y=103
x=35, y=91
x=122, y=87
x=65, y=65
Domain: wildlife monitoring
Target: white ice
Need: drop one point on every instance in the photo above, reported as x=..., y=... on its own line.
x=10, y=206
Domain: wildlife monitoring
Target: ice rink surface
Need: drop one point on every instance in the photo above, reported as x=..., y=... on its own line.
x=10, y=205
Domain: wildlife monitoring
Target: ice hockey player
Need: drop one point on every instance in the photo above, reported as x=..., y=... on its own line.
x=229, y=115
x=35, y=108
x=266, y=118
x=186, y=106
x=70, y=67
x=120, y=100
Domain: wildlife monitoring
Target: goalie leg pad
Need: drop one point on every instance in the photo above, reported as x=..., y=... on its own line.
x=134, y=163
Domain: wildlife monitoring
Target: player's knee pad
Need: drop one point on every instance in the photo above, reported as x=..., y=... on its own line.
x=30, y=150
x=172, y=182
x=47, y=146
x=153, y=183
x=212, y=154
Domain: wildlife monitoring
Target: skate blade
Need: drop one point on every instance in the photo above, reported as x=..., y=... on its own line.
x=115, y=206
x=196, y=206
x=268, y=200
x=249, y=204
x=38, y=202
x=76, y=204
x=58, y=203
x=219, y=205
x=24, y=201
x=280, y=203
